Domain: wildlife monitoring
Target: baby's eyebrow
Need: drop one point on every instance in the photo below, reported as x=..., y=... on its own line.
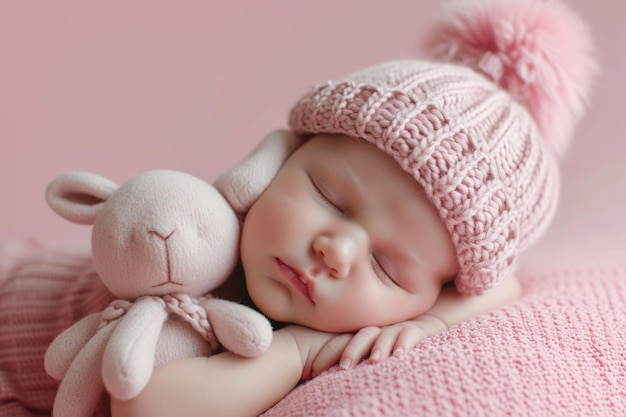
x=356, y=184
x=416, y=258
x=345, y=181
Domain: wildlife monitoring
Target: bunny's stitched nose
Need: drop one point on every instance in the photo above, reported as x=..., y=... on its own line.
x=168, y=262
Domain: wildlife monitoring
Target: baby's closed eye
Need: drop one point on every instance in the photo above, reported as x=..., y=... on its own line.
x=325, y=196
x=383, y=270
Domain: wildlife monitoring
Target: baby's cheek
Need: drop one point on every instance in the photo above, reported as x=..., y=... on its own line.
x=257, y=218
x=282, y=216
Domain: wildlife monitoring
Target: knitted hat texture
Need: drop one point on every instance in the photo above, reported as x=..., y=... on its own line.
x=479, y=125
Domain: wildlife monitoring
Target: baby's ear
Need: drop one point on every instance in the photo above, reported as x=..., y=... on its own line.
x=78, y=196
x=245, y=182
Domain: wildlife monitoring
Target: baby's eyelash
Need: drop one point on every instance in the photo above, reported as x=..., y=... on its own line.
x=380, y=271
x=325, y=199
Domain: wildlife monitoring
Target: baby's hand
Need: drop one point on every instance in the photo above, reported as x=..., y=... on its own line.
x=376, y=342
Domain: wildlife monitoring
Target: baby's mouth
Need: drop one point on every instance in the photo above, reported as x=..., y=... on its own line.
x=296, y=278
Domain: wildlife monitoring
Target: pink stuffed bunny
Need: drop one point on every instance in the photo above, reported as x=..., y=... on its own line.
x=160, y=242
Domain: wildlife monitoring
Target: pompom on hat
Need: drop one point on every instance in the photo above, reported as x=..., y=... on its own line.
x=480, y=126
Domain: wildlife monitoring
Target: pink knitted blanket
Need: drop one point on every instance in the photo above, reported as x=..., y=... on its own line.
x=558, y=351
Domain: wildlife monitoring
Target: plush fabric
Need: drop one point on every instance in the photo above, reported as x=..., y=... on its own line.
x=54, y=305
x=161, y=242
x=558, y=351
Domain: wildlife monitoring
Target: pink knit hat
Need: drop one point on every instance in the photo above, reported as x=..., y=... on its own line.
x=479, y=128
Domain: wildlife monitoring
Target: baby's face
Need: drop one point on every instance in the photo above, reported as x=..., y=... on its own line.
x=343, y=239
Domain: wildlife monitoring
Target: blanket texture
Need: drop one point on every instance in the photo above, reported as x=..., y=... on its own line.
x=558, y=351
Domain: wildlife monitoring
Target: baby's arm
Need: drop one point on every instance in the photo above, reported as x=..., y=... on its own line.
x=227, y=384
x=378, y=343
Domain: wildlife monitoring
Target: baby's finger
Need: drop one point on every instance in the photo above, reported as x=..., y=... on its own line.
x=409, y=337
x=330, y=353
x=359, y=347
x=385, y=343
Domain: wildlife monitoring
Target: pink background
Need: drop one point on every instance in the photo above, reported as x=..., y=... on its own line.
x=119, y=87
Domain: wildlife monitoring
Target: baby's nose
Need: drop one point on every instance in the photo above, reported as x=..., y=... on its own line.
x=340, y=251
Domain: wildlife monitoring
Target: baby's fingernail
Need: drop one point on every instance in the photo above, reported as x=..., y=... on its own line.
x=375, y=356
x=345, y=363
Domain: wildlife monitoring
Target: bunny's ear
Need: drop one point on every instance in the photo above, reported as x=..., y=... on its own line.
x=78, y=196
x=246, y=181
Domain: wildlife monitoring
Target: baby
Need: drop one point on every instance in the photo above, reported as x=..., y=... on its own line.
x=416, y=186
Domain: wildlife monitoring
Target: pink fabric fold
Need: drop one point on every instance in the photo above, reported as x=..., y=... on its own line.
x=42, y=292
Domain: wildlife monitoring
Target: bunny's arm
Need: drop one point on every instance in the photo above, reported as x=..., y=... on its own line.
x=81, y=387
x=66, y=346
x=128, y=360
x=238, y=328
